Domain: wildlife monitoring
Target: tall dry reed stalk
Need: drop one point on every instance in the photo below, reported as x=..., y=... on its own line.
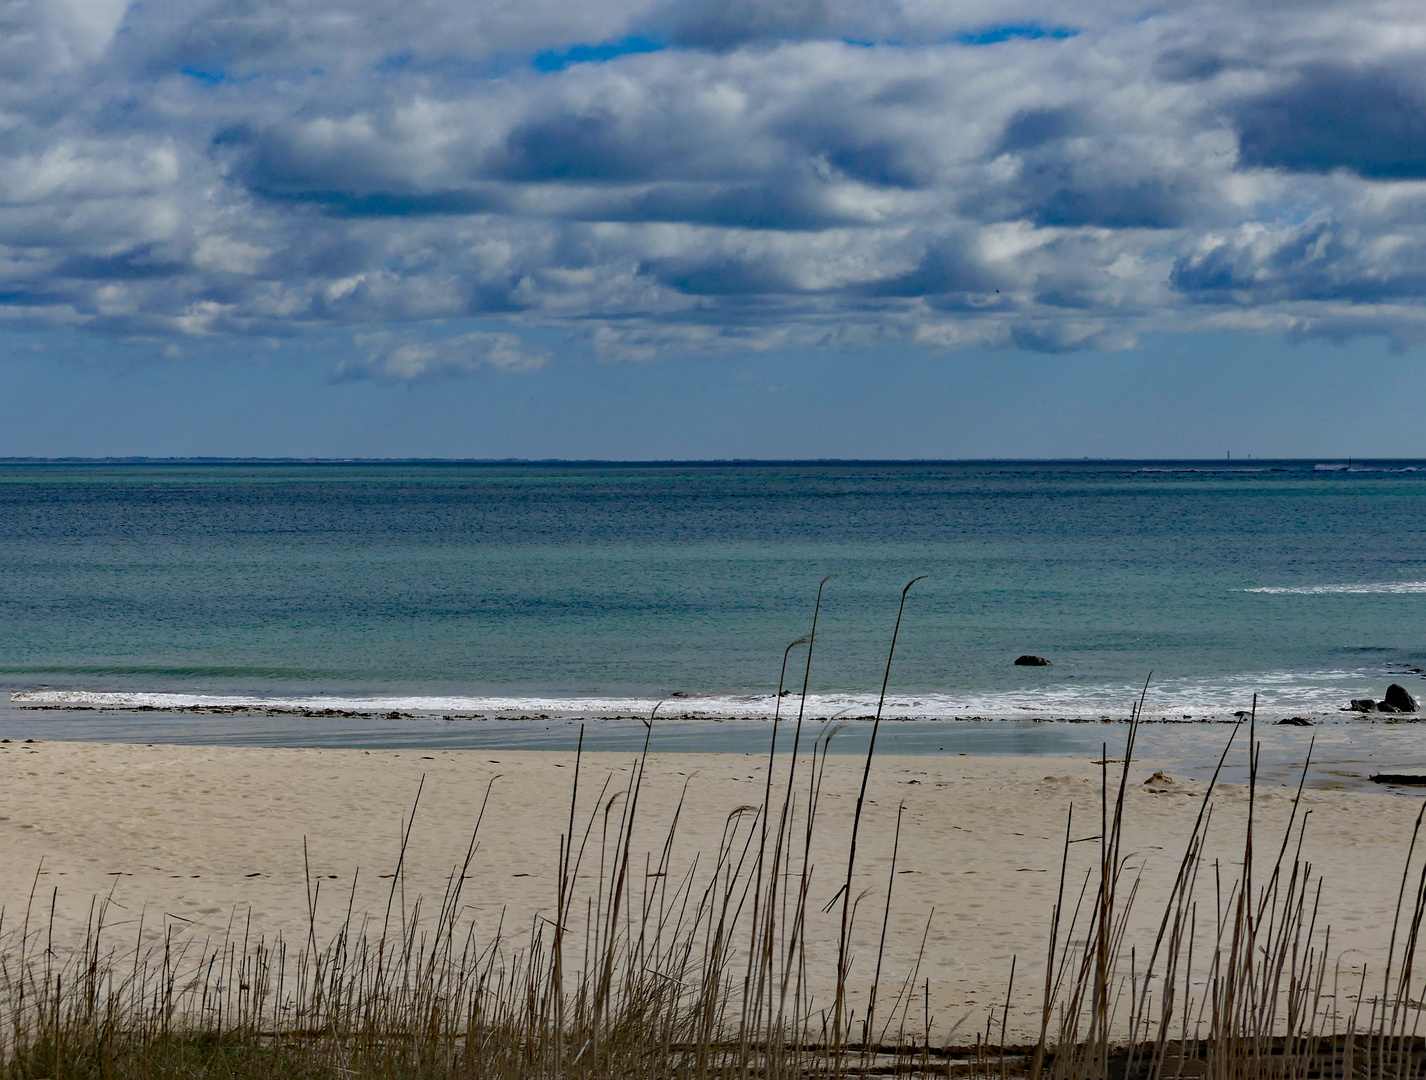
x=1246, y=989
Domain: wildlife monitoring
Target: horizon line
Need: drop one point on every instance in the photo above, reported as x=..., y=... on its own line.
x=292, y=460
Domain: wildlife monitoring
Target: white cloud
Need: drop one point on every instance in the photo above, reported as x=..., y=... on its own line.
x=1087, y=174
x=386, y=357
x=225, y=254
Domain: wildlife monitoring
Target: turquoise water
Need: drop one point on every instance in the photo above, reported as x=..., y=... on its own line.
x=595, y=590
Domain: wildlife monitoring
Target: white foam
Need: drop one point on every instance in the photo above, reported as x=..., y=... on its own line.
x=1320, y=693
x=751, y=706
x=1364, y=469
x=1384, y=588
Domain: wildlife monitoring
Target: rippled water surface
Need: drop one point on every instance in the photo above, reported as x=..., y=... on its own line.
x=511, y=589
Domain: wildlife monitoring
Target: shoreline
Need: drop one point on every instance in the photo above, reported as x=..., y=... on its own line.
x=1349, y=747
x=1040, y=704
x=190, y=841
x=674, y=709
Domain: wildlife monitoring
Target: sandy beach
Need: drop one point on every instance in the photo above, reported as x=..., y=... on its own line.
x=189, y=841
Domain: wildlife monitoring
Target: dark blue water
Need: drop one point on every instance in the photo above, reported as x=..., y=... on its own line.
x=527, y=590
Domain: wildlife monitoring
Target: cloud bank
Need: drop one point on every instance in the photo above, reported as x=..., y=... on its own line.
x=663, y=178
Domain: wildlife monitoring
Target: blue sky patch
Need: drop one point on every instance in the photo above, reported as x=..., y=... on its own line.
x=211, y=78
x=219, y=77
x=593, y=54
x=994, y=35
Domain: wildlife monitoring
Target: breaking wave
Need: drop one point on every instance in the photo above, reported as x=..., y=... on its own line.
x=1183, y=699
x=1385, y=588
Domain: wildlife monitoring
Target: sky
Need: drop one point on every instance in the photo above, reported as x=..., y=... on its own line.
x=712, y=228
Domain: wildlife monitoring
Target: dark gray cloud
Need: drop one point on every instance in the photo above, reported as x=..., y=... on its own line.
x=1052, y=190
x=593, y=147
x=726, y=24
x=1032, y=129
x=948, y=267
x=1368, y=120
x=651, y=177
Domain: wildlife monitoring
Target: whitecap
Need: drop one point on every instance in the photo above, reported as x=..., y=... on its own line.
x=1361, y=588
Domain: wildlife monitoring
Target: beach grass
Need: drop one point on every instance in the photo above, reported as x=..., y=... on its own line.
x=637, y=973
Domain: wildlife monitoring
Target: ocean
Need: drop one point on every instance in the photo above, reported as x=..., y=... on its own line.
x=294, y=601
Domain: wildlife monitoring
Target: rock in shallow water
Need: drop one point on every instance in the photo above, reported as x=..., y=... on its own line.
x=1032, y=661
x=1399, y=699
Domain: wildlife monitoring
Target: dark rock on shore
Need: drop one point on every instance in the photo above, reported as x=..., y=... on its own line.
x=1399, y=699
x=1295, y=721
x=1032, y=661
